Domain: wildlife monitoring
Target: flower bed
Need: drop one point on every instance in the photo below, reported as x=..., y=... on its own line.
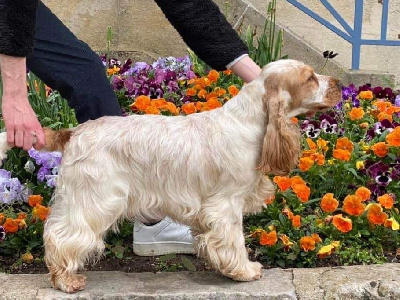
x=340, y=206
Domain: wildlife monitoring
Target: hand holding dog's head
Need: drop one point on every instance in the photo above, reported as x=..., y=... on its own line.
x=291, y=88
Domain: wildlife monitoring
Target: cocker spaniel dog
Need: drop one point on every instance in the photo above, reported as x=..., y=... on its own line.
x=204, y=170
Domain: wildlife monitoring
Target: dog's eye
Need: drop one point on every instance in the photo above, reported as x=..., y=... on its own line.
x=311, y=78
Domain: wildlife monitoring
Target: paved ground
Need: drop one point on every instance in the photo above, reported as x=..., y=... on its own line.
x=356, y=282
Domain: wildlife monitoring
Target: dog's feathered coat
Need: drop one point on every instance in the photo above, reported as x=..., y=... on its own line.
x=205, y=170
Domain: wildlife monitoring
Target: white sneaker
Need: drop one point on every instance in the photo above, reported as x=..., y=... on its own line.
x=162, y=238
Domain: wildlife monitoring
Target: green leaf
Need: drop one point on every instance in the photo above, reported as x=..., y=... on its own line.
x=188, y=264
x=166, y=257
x=118, y=249
x=365, y=232
x=280, y=263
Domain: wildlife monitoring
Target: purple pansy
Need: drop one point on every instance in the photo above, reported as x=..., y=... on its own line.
x=328, y=124
x=11, y=188
x=311, y=128
x=383, y=93
x=381, y=173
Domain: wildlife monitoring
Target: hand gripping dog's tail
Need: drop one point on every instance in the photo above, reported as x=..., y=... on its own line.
x=56, y=140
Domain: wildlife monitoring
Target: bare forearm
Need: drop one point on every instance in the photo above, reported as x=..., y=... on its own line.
x=13, y=73
x=246, y=69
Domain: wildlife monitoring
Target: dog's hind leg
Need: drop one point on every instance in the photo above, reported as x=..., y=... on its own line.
x=223, y=240
x=75, y=229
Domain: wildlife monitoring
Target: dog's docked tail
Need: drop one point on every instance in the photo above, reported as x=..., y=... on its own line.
x=56, y=140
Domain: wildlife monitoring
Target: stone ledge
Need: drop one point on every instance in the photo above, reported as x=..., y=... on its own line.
x=354, y=282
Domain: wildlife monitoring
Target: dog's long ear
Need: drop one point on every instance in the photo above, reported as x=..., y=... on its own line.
x=281, y=146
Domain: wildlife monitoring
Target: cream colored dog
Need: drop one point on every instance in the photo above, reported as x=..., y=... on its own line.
x=204, y=170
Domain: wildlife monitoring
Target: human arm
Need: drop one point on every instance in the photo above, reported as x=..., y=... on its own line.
x=20, y=119
x=206, y=31
x=17, y=30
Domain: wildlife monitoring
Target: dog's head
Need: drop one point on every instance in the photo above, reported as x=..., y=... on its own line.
x=291, y=88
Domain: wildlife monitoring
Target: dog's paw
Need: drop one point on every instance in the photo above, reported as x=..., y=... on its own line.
x=71, y=283
x=253, y=271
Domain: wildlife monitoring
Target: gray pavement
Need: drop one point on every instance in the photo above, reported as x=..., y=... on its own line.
x=354, y=282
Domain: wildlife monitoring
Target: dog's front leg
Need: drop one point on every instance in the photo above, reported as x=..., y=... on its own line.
x=222, y=240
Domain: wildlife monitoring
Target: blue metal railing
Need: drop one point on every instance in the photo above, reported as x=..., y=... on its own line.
x=352, y=35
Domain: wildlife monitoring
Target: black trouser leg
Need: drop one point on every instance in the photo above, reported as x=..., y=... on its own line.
x=69, y=65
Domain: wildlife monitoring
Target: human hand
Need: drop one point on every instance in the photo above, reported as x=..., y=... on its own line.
x=22, y=126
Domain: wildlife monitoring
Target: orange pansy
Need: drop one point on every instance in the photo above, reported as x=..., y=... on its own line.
x=316, y=237
x=345, y=144
x=366, y=95
x=353, y=205
x=190, y=92
x=21, y=216
x=384, y=116
x=158, y=103
x=10, y=226
x=296, y=180
x=386, y=201
x=286, y=242
x=268, y=239
x=142, y=102
x=212, y=103
x=233, y=90
x=220, y=91
x=328, y=203
x=288, y=213
x=302, y=191
x=341, y=154
x=322, y=145
x=151, y=110
x=42, y=212
x=269, y=200
x=376, y=215
x=307, y=243
x=311, y=144
x=283, y=182
x=189, y=108
x=342, y=224
x=393, y=138
x=356, y=113
x=364, y=193
x=380, y=149
x=34, y=199
x=305, y=163
x=294, y=120
x=319, y=158
x=213, y=75
x=296, y=221
x=202, y=93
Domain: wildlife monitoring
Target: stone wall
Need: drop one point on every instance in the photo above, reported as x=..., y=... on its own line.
x=142, y=32
x=140, y=29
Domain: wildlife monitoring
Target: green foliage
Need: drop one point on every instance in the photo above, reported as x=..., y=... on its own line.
x=268, y=46
x=356, y=253
x=171, y=263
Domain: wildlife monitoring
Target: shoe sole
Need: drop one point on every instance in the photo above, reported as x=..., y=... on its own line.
x=162, y=248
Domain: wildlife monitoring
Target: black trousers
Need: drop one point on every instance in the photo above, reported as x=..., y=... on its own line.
x=69, y=65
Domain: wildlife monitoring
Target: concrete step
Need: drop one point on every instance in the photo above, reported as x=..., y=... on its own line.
x=241, y=13
x=353, y=282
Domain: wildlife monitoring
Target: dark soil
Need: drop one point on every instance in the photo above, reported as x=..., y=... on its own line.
x=126, y=264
